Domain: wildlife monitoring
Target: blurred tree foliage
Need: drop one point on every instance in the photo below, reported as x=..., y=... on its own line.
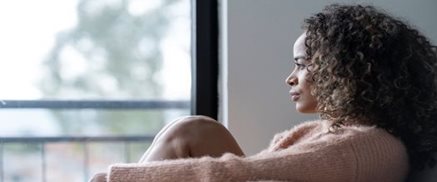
x=110, y=53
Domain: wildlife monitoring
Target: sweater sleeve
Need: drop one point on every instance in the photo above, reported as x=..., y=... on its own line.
x=321, y=161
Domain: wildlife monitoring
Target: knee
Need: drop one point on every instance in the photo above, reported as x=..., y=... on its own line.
x=191, y=128
x=195, y=121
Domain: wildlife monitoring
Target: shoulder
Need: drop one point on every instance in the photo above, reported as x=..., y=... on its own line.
x=376, y=151
x=369, y=137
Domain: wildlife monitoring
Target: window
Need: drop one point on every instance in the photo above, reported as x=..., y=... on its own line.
x=91, y=82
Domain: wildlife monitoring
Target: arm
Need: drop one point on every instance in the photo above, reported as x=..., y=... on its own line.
x=308, y=162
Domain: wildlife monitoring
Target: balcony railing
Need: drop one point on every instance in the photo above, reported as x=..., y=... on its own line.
x=84, y=141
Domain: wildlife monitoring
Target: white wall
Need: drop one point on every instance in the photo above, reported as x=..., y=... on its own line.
x=257, y=38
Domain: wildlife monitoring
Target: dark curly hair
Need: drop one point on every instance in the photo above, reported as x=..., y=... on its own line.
x=371, y=67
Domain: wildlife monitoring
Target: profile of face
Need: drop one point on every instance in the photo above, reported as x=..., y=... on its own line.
x=300, y=91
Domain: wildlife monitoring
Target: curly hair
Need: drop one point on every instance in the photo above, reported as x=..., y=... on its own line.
x=371, y=67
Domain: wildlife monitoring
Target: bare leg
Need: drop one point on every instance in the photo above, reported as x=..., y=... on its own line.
x=193, y=136
x=163, y=130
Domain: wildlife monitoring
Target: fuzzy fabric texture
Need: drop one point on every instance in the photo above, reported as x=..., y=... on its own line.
x=307, y=152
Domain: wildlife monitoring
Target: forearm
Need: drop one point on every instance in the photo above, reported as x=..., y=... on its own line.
x=229, y=167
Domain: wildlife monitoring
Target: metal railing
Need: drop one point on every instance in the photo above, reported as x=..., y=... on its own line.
x=83, y=140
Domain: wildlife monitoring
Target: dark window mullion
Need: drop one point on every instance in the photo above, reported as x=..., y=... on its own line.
x=205, y=58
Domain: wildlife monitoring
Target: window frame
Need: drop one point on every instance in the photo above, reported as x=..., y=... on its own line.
x=204, y=97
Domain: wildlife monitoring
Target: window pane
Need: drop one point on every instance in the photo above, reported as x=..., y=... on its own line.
x=94, y=50
x=88, y=50
x=84, y=122
x=99, y=49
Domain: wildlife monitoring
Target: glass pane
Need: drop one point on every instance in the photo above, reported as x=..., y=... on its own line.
x=22, y=162
x=99, y=49
x=88, y=50
x=84, y=122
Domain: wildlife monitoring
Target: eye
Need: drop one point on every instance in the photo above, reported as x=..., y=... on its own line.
x=300, y=66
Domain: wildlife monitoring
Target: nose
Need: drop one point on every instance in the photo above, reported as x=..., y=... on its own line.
x=291, y=80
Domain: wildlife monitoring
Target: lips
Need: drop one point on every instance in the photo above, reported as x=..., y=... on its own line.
x=294, y=96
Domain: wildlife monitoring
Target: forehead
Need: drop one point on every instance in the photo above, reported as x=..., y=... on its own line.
x=299, y=46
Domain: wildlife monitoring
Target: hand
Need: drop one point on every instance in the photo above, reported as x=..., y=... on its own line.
x=99, y=177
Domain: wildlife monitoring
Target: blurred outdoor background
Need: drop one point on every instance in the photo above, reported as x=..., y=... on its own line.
x=88, y=50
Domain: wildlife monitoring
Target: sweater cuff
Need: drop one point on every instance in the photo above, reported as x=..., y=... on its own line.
x=123, y=172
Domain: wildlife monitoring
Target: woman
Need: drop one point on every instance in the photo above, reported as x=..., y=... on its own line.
x=371, y=78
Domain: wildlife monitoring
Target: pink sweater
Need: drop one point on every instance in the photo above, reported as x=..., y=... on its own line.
x=307, y=152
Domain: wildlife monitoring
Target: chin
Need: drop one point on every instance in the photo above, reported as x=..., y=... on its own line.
x=306, y=110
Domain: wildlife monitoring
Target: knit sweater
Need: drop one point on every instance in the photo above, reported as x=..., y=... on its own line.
x=307, y=152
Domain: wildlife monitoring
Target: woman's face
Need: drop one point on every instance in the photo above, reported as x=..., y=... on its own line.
x=300, y=91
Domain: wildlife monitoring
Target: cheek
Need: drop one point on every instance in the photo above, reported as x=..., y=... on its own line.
x=306, y=85
x=308, y=104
